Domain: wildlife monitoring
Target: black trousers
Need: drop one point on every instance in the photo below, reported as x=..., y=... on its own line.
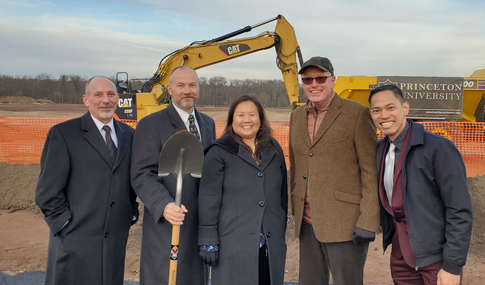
x=264, y=275
x=344, y=260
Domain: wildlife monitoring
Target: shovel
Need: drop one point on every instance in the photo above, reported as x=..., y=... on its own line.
x=182, y=154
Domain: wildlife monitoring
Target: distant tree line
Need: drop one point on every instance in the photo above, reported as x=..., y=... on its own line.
x=214, y=91
x=67, y=89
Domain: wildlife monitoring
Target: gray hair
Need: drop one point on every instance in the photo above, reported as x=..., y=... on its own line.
x=86, y=87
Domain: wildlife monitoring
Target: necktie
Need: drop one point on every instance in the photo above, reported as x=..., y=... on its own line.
x=389, y=172
x=193, y=127
x=109, y=142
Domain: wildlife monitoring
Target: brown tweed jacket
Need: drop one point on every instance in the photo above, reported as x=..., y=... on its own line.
x=340, y=169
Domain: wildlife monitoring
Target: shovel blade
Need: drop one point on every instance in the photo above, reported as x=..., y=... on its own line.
x=184, y=144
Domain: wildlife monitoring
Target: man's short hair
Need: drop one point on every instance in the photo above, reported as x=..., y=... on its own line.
x=391, y=87
x=182, y=67
x=86, y=87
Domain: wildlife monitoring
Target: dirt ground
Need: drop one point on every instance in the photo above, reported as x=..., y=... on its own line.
x=24, y=233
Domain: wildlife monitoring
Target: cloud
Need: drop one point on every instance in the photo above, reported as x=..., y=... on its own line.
x=369, y=37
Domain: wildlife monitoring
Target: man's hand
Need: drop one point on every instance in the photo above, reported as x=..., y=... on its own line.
x=173, y=214
x=360, y=236
x=446, y=278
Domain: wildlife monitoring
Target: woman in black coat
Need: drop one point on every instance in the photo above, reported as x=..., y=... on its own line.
x=243, y=200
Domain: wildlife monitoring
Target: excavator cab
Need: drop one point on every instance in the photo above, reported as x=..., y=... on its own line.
x=122, y=84
x=126, y=109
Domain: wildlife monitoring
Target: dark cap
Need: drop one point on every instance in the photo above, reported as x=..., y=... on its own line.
x=319, y=62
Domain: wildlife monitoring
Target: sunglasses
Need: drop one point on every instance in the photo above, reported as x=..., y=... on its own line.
x=319, y=80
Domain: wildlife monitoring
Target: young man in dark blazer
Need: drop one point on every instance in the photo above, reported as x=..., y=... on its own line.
x=85, y=194
x=158, y=194
x=426, y=212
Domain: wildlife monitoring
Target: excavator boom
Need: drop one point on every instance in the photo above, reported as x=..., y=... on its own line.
x=154, y=95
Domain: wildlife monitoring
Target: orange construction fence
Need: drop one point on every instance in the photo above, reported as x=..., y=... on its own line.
x=22, y=139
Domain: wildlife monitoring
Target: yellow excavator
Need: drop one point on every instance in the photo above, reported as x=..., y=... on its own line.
x=432, y=98
x=154, y=96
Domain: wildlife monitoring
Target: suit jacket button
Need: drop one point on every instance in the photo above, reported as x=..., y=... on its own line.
x=304, y=177
x=260, y=174
x=268, y=234
x=105, y=235
x=112, y=203
x=302, y=198
x=311, y=154
x=261, y=203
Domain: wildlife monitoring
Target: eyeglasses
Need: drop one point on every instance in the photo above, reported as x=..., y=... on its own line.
x=309, y=80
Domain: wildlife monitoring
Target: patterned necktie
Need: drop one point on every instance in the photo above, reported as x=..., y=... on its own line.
x=389, y=172
x=193, y=127
x=109, y=142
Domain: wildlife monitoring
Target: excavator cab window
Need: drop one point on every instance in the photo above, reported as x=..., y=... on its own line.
x=122, y=83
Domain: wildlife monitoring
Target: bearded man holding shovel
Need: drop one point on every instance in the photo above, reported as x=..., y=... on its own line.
x=158, y=193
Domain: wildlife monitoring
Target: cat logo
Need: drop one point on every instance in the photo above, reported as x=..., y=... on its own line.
x=126, y=107
x=125, y=103
x=228, y=50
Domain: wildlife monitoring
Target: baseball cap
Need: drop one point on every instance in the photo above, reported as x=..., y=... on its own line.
x=319, y=62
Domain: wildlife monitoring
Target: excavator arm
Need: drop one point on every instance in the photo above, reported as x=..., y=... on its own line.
x=154, y=95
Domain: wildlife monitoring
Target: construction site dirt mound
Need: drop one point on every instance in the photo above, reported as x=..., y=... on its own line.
x=19, y=100
x=17, y=187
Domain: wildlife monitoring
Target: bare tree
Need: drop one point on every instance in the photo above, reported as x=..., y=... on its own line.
x=78, y=83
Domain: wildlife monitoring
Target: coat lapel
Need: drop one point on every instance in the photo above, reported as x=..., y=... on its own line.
x=93, y=136
x=175, y=117
x=245, y=155
x=332, y=114
x=122, y=144
x=381, y=147
x=301, y=124
x=268, y=154
x=206, y=132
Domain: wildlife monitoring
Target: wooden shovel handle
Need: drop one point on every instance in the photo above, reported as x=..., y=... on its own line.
x=172, y=277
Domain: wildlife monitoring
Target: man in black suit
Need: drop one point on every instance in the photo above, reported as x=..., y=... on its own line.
x=85, y=194
x=158, y=193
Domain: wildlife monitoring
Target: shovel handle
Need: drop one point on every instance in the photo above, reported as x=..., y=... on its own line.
x=174, y=253
x=172, y=275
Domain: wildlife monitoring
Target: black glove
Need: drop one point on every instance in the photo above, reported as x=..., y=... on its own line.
x=209, y=258
x=360, y=236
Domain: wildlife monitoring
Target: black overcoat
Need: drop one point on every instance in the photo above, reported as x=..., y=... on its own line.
x=237, y=197
x=156, y=192
x=79, y=183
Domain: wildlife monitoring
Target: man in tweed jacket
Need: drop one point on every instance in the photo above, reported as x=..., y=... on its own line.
x=332, y=180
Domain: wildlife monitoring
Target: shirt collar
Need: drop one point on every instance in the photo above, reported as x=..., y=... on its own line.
x=100, y=124
x=320, y=106
x=400, y=138
x=183, y=114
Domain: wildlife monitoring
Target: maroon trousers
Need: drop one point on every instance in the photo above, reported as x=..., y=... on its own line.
x=403, y=274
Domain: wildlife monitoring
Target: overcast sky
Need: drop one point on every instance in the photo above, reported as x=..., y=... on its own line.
x=361, y=37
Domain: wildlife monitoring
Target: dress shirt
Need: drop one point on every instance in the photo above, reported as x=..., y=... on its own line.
x=398, y=143
x=100, y=126
x=185, y=118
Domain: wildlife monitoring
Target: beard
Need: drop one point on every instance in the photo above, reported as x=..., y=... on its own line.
x=106, y=114
x=184, y=105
